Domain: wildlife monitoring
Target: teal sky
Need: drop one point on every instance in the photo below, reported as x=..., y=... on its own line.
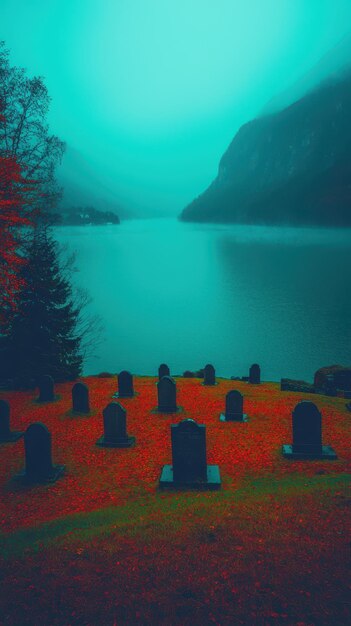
x=151, y=92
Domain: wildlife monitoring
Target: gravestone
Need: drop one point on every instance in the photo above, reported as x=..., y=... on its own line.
x=167, y=395
x=307, y=434
x=255, y=374
x=330, y=387
x=234, y=402
x=39, y=467
x=115, y=428
x=125, y=385
x=163, y=370
x=80, y=398
x=209, y=375
x=189, y=469
x=46, y=389
x=6, y=435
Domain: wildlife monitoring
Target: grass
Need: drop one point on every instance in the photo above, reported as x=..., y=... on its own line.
x=103, y=546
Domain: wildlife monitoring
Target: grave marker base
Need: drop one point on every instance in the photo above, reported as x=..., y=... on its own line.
x=240, y=418
x=28, y=479
x=213, y=480
x=54, y=399
x=177, y=409
x=12, y=436
x=123, y=443
x=326, y=453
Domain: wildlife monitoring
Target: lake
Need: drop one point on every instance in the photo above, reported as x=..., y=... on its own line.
x=191, y=294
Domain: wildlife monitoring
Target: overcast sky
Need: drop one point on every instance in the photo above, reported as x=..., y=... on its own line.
x=151, y=92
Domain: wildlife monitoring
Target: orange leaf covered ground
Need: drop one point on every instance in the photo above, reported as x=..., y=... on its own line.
x=104, y=546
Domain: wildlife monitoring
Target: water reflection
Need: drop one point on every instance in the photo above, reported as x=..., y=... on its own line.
x=190, y=294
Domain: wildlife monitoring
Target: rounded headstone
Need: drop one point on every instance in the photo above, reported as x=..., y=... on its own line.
x=163, y=370
x=255, y=374
x=80, y=398
x=115, y=422
x=209, y=375
x=234, y=402
x=125, y=385
x=167, y=395
x=307, y=427
x=37, y=444
x=46, y=389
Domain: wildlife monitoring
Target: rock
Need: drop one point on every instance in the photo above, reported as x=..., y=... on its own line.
x=337, y=376
x=288, y=384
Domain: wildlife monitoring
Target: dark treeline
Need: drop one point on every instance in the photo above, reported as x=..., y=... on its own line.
x=42, y=327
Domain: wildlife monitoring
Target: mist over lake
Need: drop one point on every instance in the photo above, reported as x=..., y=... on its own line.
x=188, y=294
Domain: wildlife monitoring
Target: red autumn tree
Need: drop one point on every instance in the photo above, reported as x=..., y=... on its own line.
x=15, y=216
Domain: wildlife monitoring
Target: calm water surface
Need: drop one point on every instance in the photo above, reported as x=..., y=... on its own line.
x=188, y=294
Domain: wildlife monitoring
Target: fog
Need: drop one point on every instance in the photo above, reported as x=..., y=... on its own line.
x=148, y=94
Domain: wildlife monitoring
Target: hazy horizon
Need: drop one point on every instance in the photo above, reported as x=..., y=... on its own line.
x=149, y=95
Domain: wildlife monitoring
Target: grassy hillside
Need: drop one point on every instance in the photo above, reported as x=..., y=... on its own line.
x=104, y=546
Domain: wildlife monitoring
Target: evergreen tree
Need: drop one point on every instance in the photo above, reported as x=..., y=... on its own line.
x=43, y=337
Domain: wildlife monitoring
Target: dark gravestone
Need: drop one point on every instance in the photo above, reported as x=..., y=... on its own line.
x=163, y=370
x=307, y=434
x=209, y=375
x=80, y=398
x=330, y=387
x=234, y=402
x=46, y=389
x=255, y=374
x=167, y=395
x=125, y=385
x=39, y=467
x=6, y=435
x=115, y=428
x=189, y=467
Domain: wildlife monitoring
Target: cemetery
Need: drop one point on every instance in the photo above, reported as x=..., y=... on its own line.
x=174, y=500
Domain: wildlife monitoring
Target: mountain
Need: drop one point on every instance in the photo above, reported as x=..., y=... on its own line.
x=334, y=63
x=84, y=187
x=290, y=167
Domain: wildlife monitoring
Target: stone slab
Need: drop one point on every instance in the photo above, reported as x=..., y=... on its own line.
x=52, y=478
x=327, y=453
x=244, y=418
x=13, y=436
x=155, y=410
x=213, y=480
x=123, y=443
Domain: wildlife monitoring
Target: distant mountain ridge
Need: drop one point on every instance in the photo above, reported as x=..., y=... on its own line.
x=290, y=167
x=334, y=63
x=83, y=187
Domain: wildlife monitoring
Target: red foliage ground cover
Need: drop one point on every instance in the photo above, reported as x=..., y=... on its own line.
x=104, y=546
